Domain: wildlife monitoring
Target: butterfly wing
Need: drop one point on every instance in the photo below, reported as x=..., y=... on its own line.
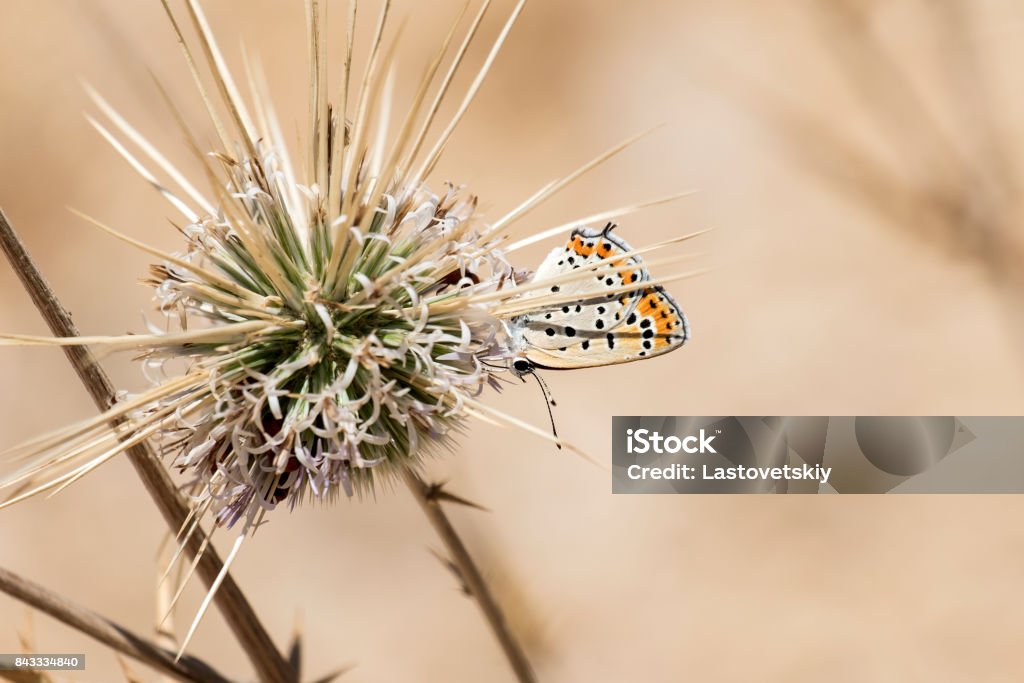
x=658, y=326
x=595, y=312
x=599, y=328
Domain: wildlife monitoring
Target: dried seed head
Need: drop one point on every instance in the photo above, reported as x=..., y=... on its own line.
x=349, y=374
x=328, y=322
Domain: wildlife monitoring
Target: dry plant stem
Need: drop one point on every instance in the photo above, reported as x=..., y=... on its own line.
x=270, y=666
x=472, y=577
x=107, y=632
x=23, y=677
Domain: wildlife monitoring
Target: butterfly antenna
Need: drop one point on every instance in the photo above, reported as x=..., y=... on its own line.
x=549, y=402
x=608, y=228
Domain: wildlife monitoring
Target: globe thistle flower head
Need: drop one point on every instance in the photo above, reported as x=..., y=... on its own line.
x=328, y=386
x=331, y=318
x=305, y=302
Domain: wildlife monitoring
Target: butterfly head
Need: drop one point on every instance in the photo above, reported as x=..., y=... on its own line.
x=521, y=365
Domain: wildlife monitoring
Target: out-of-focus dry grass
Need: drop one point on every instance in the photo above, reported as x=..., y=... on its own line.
x=818, y=307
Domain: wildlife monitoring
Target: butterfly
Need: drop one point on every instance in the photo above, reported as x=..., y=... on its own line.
x=595, y=320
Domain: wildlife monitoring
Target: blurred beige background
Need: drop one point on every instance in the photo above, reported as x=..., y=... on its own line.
x=817, y=306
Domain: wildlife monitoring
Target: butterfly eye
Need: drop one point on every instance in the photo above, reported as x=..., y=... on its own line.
x=521, y=365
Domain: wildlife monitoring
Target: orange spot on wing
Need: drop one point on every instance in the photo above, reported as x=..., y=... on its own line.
x=666, y=322
x=580, y=247
x=648, y=304
x=664, y=326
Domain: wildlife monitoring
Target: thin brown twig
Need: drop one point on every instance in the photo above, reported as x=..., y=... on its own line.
x=269, y=664
x=116, y=637
x=14, y=676
x=24, y=676
x=472, y=578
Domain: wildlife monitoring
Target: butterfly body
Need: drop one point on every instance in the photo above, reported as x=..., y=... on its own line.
x=603, y=317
